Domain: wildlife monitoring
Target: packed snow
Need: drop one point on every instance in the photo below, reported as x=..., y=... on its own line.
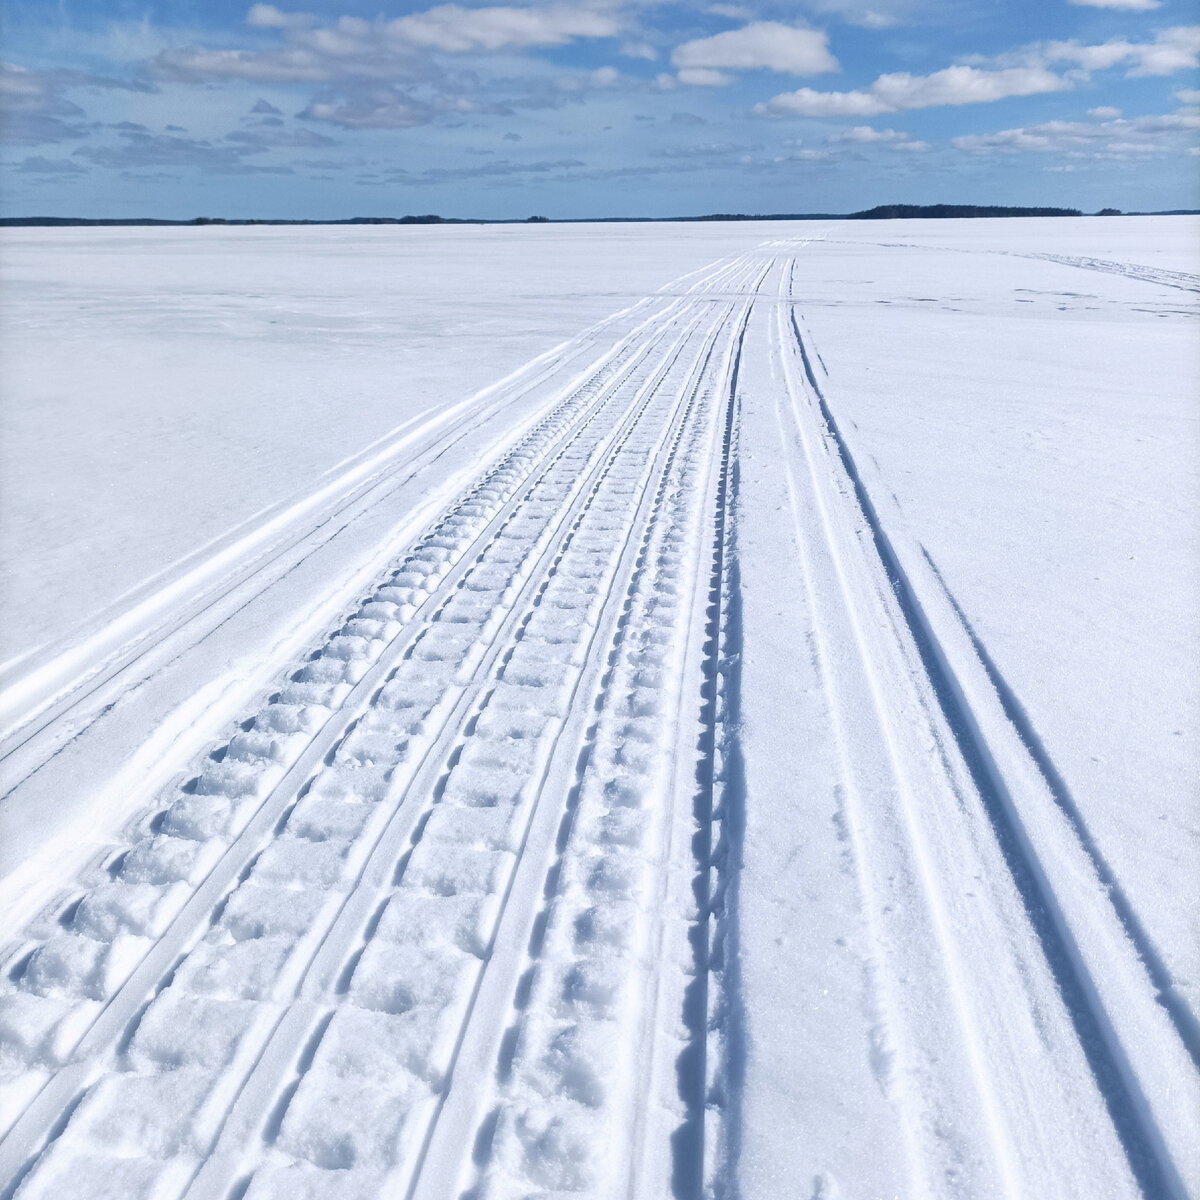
x=654, y=710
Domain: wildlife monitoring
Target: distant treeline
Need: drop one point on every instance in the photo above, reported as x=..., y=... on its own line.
x=428, y=219
x=893, y=212
x=882, y=212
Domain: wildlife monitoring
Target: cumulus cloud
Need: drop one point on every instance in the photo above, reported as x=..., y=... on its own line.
x=447, y=27
x=641, y=50
x=806, y=102
x=295, y=64
x=900, y=91
x=352, y=47
x=451, y=28
x=586, y=81
x=1116, y=139
x=1174, y=49
x=762, y=45
x=704, y=77
x=1129, y=5
x=267, y=16
x=867, y=135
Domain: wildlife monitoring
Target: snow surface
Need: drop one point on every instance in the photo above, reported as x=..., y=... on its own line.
x=231, y=368
x=652, y=710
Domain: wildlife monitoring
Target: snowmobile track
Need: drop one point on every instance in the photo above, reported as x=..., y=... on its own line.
x=453, y=913
x=120, y=1018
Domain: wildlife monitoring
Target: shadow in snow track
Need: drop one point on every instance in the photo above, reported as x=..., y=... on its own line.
x=719, y=796
x=1148, y=1159
x=1176, y=1007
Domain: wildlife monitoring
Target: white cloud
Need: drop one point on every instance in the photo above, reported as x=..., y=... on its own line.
x=896, y=92
x=864, y=133
x=585, y=81
x=875, y=20
x=267, y=16
x=1104, y=113
x=867, y=14
x=1117, y=140
x=287, y=65
x=351, y=47
x=764, y=44
x=452, y=28
x=805, y=102
x=963, y=85
x=1130, y=5
x=894, y=139
x=1174, y=49
x=1187, y=95
x=704, y=77
x=641, y=50
x=1090, y=58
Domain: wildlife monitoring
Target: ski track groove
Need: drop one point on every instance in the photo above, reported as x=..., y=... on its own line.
x=453, y=915
x=1119, y=1084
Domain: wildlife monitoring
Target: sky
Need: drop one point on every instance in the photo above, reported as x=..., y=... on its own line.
x=593, y=108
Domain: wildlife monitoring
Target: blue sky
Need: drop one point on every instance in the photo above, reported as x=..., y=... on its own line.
x=578, y=108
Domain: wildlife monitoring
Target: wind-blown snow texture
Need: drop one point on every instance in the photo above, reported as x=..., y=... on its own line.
x=746, y=748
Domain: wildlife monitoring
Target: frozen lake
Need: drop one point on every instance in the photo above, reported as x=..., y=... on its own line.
x=631, y=708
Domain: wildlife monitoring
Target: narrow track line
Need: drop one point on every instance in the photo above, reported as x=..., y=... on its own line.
x=1118, y=1082
x=883, y=969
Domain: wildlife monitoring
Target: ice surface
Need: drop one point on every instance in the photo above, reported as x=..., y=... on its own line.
x=763, y=761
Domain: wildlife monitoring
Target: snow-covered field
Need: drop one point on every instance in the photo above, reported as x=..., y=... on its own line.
x=601, y=710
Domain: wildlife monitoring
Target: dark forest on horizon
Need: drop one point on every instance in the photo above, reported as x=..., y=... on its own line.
x=881, y=212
